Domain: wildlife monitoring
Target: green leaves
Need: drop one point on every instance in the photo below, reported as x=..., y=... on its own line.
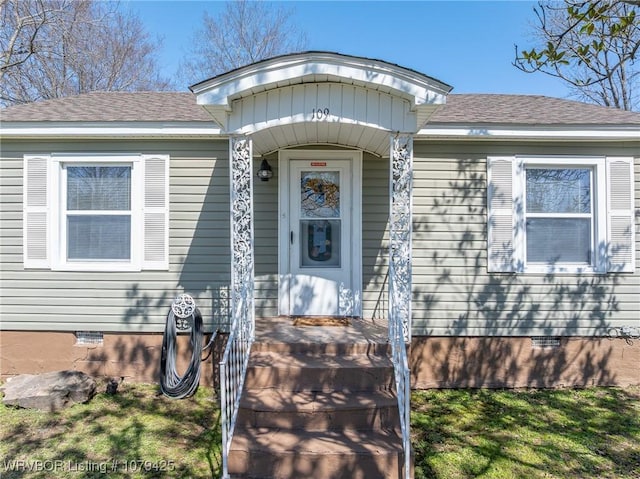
x=591, y=45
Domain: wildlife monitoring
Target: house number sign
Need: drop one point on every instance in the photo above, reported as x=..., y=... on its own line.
x=319, y=113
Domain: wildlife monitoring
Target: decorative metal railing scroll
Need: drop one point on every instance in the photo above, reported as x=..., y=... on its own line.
x=233, y=366
x=400, y=218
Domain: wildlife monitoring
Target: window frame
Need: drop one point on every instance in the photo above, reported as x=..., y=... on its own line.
x=597, y=165
x=59, y=212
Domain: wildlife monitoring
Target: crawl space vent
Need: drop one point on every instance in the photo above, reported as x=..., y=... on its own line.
x=545, y=342
x=84, y=338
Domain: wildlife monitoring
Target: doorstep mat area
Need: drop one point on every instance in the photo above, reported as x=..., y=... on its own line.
x=321, y=321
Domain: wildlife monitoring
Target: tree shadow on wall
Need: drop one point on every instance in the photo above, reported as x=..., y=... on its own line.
x=199, y=265
x=476, y=309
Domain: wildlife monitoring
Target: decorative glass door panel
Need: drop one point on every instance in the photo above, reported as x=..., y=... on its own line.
x=320, y=220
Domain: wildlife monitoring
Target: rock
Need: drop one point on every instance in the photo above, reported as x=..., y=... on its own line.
x=48, y=391
x=112, y=386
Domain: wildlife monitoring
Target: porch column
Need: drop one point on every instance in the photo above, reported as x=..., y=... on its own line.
x=242, y=256
x=400, y=228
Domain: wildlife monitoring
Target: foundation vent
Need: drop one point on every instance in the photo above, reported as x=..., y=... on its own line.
x=545, y=342
x=85, y=338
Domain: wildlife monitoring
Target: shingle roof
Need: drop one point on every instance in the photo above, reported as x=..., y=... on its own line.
x=460, y=109
x=527, y=110
x=112, y=107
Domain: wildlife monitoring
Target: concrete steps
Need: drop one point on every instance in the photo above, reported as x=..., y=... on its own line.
x=318, y=410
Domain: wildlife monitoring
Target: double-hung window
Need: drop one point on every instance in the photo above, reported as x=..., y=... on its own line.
x=560, y=214
x=96, y=212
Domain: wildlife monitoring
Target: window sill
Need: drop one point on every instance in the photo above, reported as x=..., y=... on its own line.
x=561, y=269
x=98, y=267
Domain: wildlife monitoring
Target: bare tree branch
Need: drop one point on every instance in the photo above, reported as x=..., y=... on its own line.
x=244, y=33
x=56, y=48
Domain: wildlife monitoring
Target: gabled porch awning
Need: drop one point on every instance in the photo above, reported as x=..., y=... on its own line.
x=321, y=98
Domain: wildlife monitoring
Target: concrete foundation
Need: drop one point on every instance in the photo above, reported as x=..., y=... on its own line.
x=486, y=362
x=436, y=362
x=134, y=357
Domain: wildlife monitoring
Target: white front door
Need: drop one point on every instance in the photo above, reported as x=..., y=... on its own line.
x=320, y=251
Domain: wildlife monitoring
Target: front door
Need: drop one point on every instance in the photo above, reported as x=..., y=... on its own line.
x=320, y=233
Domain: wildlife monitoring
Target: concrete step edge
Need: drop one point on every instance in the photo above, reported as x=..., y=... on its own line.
x=290, y=361
x=313, y=443
x=276, y=400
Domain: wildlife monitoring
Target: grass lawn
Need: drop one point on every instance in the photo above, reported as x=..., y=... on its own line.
x=135, y=433
x=590, y=433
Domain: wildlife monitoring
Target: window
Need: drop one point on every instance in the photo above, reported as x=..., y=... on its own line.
x=320, y=219
x=97, y=217
x=96, y=212
x=560, y=214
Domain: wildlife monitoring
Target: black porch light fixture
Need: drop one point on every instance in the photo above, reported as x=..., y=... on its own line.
x=264, y=173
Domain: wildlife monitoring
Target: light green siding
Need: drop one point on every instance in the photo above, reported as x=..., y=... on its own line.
x=452, y=292
x=135, y=301
x=265, y=198
x=375, y=236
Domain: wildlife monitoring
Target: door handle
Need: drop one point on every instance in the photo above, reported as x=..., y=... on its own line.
x=291, y=237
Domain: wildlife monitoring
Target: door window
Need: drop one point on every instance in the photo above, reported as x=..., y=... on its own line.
x=320, y=219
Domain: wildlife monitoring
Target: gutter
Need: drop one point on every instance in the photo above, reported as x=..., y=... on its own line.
x=129, y=130
x=530, y=132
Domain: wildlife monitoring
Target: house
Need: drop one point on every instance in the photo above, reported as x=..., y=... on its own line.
x=495, y=234
x=512, y=221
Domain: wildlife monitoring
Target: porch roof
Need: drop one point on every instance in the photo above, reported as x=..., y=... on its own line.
x=219, y=93
x=321, y=97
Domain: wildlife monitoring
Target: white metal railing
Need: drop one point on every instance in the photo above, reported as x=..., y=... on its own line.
x=233, y=368
x=403, y=387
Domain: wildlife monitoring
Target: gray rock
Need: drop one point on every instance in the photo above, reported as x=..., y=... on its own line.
x=48, y=391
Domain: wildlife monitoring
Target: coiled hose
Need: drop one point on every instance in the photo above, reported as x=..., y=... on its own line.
x=171, y=383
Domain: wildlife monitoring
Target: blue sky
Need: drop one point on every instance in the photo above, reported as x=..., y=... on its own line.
x=467, y=44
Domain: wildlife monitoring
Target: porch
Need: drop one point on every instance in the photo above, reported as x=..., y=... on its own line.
x=302, y=107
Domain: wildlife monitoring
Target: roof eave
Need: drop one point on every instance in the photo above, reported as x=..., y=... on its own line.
x=303, y=59
x=128, y=129
x=530, y=132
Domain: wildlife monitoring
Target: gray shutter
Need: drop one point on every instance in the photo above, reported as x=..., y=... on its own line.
x=620, y=215
x=155, y=214
x=36, y=212
x=500, y=221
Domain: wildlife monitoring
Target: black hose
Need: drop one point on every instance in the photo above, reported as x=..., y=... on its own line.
x=171, y=384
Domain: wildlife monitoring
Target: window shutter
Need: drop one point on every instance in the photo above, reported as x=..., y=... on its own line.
x=500, y=241
x=36, y=212
x=620, y=215
x=156, y=212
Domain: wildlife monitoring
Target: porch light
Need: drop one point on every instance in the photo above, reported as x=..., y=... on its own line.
x=264, y=173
